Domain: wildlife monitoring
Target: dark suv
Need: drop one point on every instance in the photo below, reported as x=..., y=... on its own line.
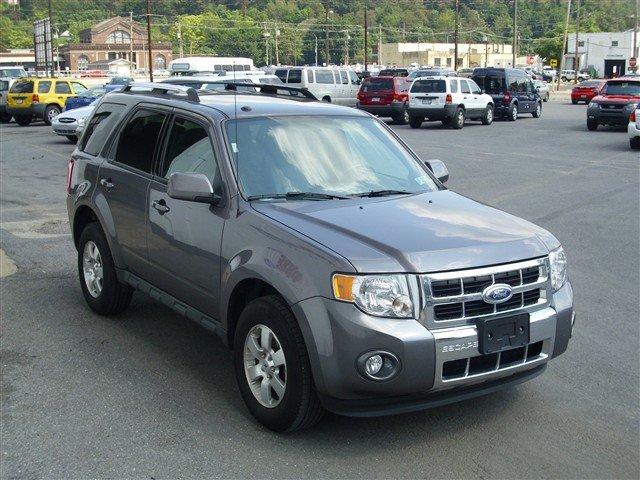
x=385, y=97
x=512, y=90
x=330, y=259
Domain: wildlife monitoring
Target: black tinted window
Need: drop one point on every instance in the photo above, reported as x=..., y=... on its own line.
x=63, y=87
x=373, y=84
x=99, y=127
x=429, y=86
x=138, y=140
x=491, y=83
x=295, y=76
x=22, y=87
x=189, y=150
x=281, y=74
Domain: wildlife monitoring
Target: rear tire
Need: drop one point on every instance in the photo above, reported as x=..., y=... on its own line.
x=112, y=296
x=634, y=143
x=5, y=118
x=487, y=118
x=50, y=113
x=592, y=124
x=23, y=120
x=298, y=406
x=72, y=138
x=457, y=122
x=326, y=99
x=415, y=122
x=513, y=113
x=402, y=118
x=575, y=102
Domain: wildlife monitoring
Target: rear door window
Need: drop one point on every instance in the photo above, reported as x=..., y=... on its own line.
x=99, y=127
x=429, y=86
x=138, y=139
x=474, y=86
x=44, y=87
x=324, y=76
x=22, y=87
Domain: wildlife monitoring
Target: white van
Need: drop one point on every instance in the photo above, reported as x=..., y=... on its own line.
x=329, y=84
x=198, y=65
x=218, y=82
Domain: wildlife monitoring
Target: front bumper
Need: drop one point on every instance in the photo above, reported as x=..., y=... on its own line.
x=633, y=130
x=392, y=109
x=64, y=129
x=337, y=333
x=609, y=114
x=33, y=110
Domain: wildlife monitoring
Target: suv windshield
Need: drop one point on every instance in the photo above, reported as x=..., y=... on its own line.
x=429, y=86
x=275, y=156
x=622, y=88
x=22, y=87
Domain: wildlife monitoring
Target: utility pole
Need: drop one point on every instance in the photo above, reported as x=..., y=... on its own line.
x=277, y=32
x=455, y=39
x=50, y=39
x=635, y=32
x=514, y=46
x=366, y=38
x=180, y=43
x=379, y=44
x=486, y=51
x=149, y=39
x=564, y=43
x=130, y=37
x=576, y=58
x=326, y=33
x=316, y=49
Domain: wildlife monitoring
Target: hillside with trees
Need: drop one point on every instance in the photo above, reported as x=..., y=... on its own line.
x=248, y=27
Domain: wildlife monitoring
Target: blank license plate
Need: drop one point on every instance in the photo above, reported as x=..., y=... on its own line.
x=583, y=96
x=498, y=334
x=375, y=99
x=18, y=100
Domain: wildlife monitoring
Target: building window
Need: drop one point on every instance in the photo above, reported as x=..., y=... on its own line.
x=449, y=61
x=119, y=36
x=614, y=43
x=83, y=62
x=436, y=62
x=160, y=62
x=581, y=43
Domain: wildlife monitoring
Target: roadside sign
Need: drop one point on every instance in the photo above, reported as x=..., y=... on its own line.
x=553, y=63
x=633, y=62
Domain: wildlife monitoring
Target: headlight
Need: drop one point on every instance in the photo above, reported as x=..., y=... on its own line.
x=593, y=105
x=558, y=261
x=379, y=295
x=81, y=121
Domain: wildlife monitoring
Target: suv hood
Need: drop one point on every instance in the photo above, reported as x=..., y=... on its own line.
x=428, y=232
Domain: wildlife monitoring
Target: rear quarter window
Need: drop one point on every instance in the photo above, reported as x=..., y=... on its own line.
x=22, y=87
x=100, y=126
x=429, y=86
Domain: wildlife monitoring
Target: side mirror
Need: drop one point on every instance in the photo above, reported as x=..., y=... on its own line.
x=439, y=169
x=192, y=187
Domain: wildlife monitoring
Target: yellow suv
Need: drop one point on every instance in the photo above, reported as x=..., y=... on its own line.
x=41, y=98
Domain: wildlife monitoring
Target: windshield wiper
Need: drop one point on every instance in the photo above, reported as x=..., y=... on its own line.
x=298, y=196
x=382, y=193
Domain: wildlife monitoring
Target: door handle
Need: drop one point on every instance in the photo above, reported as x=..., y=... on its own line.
x=160, y=206
x=106, y=183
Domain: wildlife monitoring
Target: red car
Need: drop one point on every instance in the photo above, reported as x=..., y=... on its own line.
x=385, y=97
x=585, y=91
x=614, y=104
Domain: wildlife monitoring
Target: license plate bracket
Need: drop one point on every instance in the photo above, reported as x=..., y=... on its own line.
x=505, y=333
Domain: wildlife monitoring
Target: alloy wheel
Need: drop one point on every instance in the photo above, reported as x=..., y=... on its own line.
x=92, y=269
x=265, y=366
x=53, y=113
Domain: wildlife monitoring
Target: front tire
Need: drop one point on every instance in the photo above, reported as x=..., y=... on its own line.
x=538, y=111
x=457, y=122
x=5, y=118
x=487, y=118
x=23, y=120
x=634, y=143
x=592, y=124
x=402, y=118
x=513, y=113
x=575, y=102
x=272, y=367
x=51, y=112
x=415, y=122
x=102, y=290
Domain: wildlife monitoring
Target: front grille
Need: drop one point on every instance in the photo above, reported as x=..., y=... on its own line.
x=66, y=120
x=458, y=295
x=465, y=367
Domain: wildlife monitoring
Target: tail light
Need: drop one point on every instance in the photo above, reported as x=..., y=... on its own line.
x=401, y=97
x=448, y=98
x=35, y=98
x=69, y=175
x=507, y=98
x=632, y=117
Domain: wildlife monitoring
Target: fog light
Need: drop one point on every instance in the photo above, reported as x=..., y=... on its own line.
x=378, y=365
x=373, y=364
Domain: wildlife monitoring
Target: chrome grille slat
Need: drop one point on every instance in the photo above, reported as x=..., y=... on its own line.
x=530, y=292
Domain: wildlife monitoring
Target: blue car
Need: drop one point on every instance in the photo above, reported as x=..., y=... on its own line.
x=84, y=99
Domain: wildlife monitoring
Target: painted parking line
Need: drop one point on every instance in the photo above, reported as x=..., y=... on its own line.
x=7, y=266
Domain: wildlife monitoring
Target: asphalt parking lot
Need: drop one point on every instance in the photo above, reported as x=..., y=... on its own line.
x=149, y=395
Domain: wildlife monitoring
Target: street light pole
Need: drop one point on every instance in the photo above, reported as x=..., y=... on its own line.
x=564, y=43
x=576, y=58
x=316, y=49
x=455, y=35
x=514, y=47
x=635, y=31
x=326, y=33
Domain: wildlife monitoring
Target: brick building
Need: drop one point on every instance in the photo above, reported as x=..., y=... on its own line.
x=113, y=39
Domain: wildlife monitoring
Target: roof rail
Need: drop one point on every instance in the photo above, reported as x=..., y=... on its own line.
x=271, y=89
x=164, y=89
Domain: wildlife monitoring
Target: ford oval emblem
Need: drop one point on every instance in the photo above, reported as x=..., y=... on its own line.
x=497, y=293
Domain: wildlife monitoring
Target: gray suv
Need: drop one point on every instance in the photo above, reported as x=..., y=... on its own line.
x=333, y=263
